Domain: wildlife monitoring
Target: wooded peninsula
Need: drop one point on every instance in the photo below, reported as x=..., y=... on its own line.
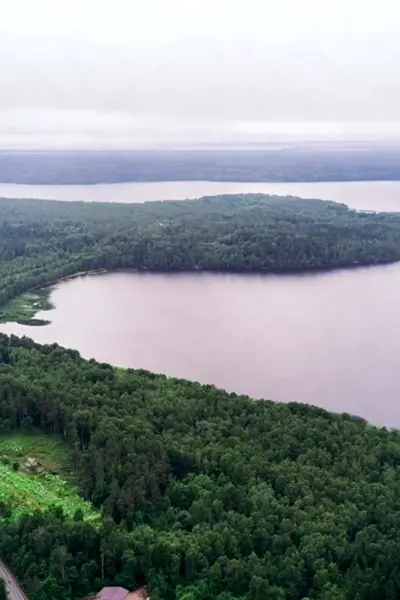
x=123, y=477
x=42, y=241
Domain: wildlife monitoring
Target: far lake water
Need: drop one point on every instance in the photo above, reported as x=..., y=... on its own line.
x=362, y=195
x=330, y=339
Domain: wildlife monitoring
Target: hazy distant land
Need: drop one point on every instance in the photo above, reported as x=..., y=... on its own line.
x=296, y=162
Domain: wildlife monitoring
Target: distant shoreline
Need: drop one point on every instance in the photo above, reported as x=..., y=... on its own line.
x=196, y=179
x=282, y=162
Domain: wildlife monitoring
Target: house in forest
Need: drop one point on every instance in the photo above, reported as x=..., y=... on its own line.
x=120, y=593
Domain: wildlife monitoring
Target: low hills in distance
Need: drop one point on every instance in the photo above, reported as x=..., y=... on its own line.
x=362, y=161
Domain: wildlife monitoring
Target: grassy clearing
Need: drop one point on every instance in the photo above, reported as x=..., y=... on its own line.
x=27, y=492
x=23, y=309
x=28, y=487
x=51, y=451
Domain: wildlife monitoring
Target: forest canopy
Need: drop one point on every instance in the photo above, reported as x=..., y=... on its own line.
x=201, y=494
x=42, y=241
x=205, y=495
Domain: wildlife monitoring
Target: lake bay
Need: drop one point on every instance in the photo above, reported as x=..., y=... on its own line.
x=330, y=339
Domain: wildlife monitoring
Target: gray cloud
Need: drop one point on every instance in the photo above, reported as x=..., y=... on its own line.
x=136, y=71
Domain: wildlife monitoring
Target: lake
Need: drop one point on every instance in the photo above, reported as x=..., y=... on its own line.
x=362, y=195
x=330, y=339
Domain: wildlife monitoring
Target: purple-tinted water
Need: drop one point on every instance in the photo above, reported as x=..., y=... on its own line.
x=331, y=339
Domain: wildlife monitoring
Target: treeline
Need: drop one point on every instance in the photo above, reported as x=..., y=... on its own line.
x=205, y=495
x=41, y=241
x=300, y=162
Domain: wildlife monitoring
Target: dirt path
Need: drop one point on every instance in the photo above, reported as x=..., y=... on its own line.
x=13, y=589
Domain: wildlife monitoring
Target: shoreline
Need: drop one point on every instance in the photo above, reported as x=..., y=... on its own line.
x=89, y=272
x=22, y=309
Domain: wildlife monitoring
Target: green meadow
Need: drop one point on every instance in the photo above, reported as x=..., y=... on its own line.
x=36, y=473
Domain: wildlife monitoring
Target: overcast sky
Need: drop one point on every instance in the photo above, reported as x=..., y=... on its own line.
x=134, y=72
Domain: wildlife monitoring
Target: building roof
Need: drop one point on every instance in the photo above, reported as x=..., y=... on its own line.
x=113, y=593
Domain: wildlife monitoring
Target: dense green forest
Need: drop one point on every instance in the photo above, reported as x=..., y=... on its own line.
x=3, y=591
x=41, y=241
x=205, y=495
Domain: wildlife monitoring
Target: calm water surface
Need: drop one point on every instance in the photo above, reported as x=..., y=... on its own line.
x=331, y=339
x=363, y=195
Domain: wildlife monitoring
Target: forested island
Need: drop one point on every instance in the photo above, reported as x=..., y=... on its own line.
x=43, y=241
x=201, y=494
